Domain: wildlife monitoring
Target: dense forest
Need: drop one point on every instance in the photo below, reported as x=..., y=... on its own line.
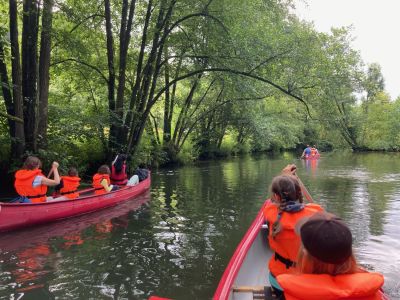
x=177, y=80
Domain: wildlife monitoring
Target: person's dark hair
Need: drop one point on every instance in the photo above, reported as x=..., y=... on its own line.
x=289, y=191
x=119, y=163
x=72, y=172
x=31, y=163
x=104, y=169
x=142, y=166
x=287, y=187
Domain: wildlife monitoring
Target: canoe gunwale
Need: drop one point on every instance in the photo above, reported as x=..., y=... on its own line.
x=228, y=278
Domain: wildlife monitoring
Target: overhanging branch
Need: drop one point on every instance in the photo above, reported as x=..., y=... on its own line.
x=82, y=63
x=232, y=71
x=13, y=118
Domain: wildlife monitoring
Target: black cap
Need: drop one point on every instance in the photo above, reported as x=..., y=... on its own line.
x=326, y=237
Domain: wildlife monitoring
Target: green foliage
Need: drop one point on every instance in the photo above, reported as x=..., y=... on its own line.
x=309, y=90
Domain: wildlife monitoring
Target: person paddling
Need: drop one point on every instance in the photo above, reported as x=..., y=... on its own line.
x=31, y=183
x=326, y=266
x=307, y=152
x=68, y=187
x=118, y=170
x=281, y=216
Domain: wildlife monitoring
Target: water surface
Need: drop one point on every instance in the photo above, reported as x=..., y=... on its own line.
x=176, y=240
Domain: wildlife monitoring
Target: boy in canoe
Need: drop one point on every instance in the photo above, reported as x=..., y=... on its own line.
x=307, y=152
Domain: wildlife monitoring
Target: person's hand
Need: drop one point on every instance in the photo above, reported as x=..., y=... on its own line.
x=289, y=170
x=54, y=165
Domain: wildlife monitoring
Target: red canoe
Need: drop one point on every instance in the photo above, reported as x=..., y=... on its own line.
x=311, y=157
x=19, y=215
x=248, y=268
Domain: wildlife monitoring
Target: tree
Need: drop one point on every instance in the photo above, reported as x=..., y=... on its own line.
x=21, y=95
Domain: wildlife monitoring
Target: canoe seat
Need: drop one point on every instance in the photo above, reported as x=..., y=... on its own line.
x=259, y=292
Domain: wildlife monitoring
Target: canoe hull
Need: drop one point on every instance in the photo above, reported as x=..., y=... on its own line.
x=248, y=265
x=16, y=215
x=311, y=157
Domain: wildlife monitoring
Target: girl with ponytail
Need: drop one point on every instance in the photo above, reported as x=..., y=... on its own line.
x=281, y=215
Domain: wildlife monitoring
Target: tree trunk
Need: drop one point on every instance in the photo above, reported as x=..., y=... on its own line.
x=6, y=89
x=183, y=113
x=167, y=103
x=44, y=77
x=125, y=35
x=18, y=140
x=134, y=95
x=29, y=71
x=113, y=147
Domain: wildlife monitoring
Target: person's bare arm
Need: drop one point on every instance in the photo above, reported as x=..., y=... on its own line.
x=289, y=170
x=56, y=180
x=105, y=185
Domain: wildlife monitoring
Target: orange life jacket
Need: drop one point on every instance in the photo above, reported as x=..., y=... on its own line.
x=286, y=243
x=313, y=151
x=119, y=178
x=98, y=188
x=360, y=286
x=71, y=184
x=23, y=185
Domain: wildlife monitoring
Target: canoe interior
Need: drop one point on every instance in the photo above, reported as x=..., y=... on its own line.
x=254, y=269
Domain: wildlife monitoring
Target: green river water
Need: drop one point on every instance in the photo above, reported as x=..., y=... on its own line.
x=176, y=240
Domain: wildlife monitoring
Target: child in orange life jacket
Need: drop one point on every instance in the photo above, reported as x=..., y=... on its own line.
x=68, y=187
x=118, y=170
x=31, y=183
x=281, y=215
x=326, y=265
x=101, y=181
x=314, y=151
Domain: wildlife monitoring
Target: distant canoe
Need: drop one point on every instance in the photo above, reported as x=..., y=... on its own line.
x=20, y=215
x=309, y=157
x=248, y=268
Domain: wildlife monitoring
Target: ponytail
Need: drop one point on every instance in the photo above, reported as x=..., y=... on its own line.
x=289, y=190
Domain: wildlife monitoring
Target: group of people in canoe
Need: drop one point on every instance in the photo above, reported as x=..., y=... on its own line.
x=310, y=152
x=31, y=184
x=313, y=256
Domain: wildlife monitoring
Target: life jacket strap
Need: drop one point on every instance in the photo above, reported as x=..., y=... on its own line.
x=287, y=262
x=36, y=196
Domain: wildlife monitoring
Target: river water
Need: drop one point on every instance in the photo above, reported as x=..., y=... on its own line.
x=176, y=240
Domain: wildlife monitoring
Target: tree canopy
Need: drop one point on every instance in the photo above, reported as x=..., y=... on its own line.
x=166, y=80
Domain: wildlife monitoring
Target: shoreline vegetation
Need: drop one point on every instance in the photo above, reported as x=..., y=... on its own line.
x=8, y=174
x=170, y=82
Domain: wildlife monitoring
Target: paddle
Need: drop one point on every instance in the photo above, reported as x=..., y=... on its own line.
x=290, y=170
x=305, y=191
